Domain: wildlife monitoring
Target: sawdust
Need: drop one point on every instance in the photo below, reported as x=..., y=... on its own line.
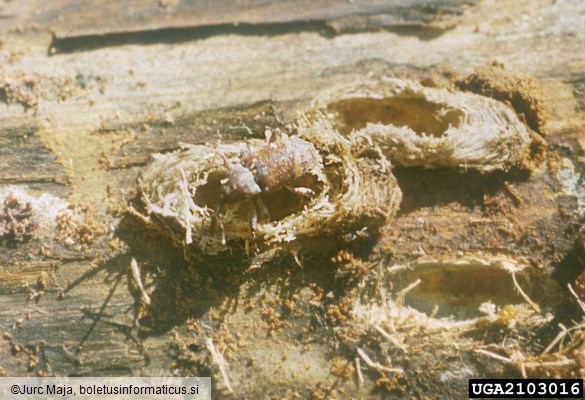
x=46, y=219
x=16, y=223
x=21, y=90
x=521, y=91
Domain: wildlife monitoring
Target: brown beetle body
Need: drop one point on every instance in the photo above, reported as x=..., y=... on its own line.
x=270, y=168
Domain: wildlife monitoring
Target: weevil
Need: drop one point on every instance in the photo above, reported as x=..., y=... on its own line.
x=274, y=166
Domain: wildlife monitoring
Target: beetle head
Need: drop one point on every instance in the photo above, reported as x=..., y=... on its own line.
x=239, y=183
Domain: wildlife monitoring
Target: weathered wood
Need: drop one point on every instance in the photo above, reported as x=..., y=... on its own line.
x=68, y=18
x=25, y=160
x=91, y=119
x=199, y=128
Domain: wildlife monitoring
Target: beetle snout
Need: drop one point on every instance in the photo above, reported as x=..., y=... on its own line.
x=239, y=183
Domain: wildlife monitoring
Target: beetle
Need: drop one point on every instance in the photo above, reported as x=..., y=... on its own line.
x=276, y=165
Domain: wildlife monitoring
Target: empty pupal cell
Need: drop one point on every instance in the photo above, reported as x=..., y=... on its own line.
x=416, y=126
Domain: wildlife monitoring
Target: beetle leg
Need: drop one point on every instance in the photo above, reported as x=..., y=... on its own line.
x=270, y=136
x=262, y=209
x=302, y=191
x=253, y=219
x=215, y=219
x=253, y=225
x=222, y=227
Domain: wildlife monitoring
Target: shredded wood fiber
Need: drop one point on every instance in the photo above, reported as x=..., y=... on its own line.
x=354, y=189
x=417, y=126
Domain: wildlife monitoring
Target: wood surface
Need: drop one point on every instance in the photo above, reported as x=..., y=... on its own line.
x=89, y=93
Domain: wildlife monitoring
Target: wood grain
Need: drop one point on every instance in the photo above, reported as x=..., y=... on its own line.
x=25, y=160
x=144, y=94
x=68, y=18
